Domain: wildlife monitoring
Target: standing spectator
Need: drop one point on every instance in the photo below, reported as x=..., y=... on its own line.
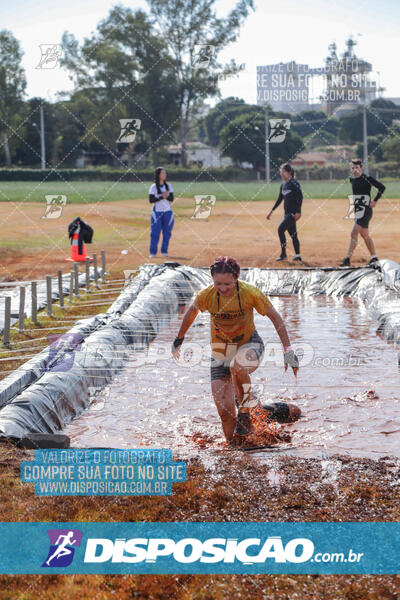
x=291, y=194
x=161, y=195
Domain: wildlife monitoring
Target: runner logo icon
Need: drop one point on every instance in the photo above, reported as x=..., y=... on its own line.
x=61, y=552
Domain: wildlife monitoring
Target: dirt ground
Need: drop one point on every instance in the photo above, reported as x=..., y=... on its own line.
x=33, y=247
x=237, y=488
x=365, y=490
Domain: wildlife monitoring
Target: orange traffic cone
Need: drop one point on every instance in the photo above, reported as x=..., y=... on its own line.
x=75, y=256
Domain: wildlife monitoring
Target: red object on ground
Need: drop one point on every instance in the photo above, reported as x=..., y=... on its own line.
x=75, y=256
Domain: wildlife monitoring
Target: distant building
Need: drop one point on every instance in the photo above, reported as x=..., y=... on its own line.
x=115, y=159
x=308, y=159
x=338, y=155
x=347, y=81
x=284, y=86
x=198, y=154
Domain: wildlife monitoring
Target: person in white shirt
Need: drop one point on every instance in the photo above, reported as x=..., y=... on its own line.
x=161, y=195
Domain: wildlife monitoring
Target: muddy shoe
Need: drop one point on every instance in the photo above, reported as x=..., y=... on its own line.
x=345, y=262
x=373, y=262
x=282, y=257
x=243, y=424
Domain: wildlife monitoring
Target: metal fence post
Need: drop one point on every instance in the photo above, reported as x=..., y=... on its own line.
x=87, y=265
x=76, y=279
x=103, y=266
x=49, y=298
x=7, y=320
x=71, y=285
x=34, y=301
x=60, y=289
x=21, y=315
x=96, y=275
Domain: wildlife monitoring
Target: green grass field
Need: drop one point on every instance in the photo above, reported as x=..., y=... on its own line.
x=109, y=191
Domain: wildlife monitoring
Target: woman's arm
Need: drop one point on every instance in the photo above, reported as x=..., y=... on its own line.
x=289, y=357
x=277, y=203
x=187, y=320
x=298, y=194
x=279, y=326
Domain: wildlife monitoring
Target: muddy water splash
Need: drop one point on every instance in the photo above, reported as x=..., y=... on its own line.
x=347, y=388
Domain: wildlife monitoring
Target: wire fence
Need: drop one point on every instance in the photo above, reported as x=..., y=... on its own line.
x=12, y=318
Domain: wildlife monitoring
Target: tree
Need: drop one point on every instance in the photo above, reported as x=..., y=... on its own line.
x=380, y=114
x=128, y=67
x=374, y=147
x=187, y=24
x=220, y=116
x=316, y=125
x=12, y=90
x=391, y=149
x=243, y=139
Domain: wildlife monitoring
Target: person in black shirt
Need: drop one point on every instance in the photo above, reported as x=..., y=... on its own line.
x=290, y=192
x=361, y=185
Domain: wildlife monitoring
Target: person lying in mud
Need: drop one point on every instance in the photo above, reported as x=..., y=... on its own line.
x=237, y=348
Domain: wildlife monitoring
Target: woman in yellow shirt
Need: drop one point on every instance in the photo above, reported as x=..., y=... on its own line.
x=236, y=346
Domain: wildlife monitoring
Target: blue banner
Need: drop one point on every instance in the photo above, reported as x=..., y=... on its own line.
x=162, y=548
x=103, y=472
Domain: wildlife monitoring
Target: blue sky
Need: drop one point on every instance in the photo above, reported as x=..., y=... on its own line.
x=281, y=30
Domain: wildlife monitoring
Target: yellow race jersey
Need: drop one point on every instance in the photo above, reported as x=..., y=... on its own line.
x=233, y=322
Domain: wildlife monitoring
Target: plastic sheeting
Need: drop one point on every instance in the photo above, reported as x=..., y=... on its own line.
x=62, y=391
x=30, y=372
x=55, y=387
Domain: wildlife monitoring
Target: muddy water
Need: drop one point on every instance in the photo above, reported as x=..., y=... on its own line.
x=347, y=388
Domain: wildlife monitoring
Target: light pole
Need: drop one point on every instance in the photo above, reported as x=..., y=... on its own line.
x=42, y=140
x=365, y=138
x=267, y=161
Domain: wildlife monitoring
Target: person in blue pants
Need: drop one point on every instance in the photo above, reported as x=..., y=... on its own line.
x=161, y=195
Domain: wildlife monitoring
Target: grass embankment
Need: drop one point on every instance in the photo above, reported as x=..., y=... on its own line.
x=109, y=191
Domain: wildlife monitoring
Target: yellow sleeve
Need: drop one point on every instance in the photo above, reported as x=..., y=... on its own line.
x=201, y=299
x=261, y=302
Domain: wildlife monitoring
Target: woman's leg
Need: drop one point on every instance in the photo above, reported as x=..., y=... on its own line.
x=292, y=230
x=245, y=362
x=167, y=225
x=223, y=393
x=155, y=231
x=282, y=237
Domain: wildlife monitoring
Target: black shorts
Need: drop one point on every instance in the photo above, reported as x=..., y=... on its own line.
x=220, y=368
x=364, y=221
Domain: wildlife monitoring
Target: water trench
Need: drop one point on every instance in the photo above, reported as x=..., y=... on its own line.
x=346, y=388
